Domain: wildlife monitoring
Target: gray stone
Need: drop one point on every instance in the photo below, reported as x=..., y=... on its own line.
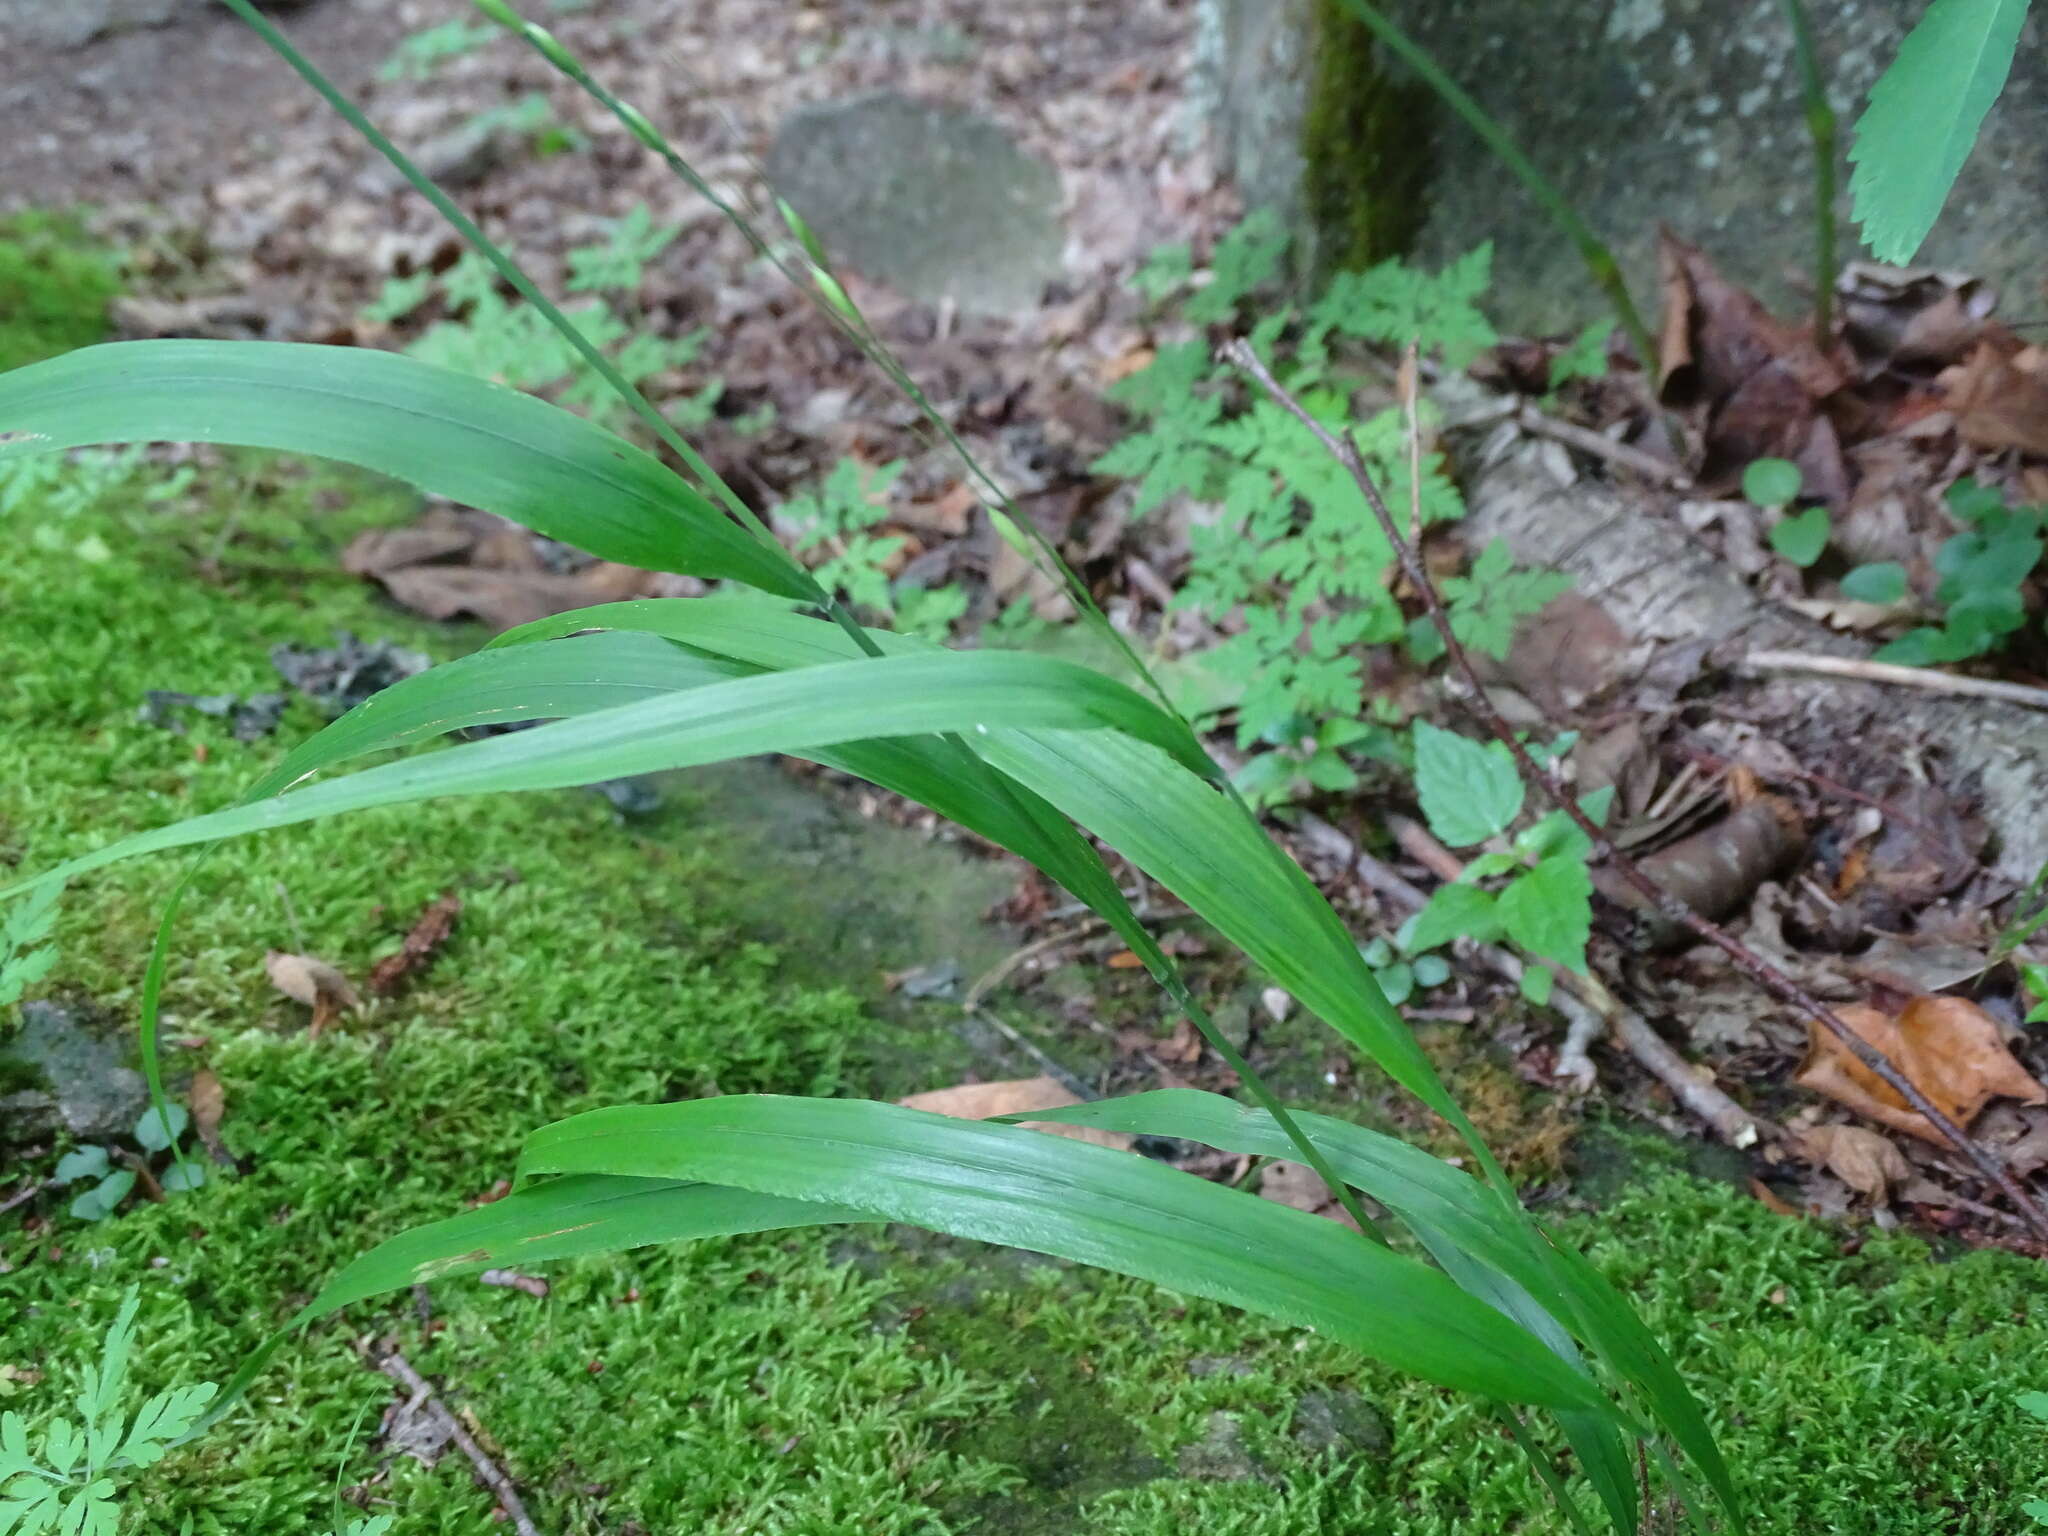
x=1221, y=1455
x=1341, y=1421
x=89, y=1089
x=1686, y=111
x=74, y=23
x=934, y=201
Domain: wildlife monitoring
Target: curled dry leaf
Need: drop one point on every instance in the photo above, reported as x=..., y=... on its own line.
x=1947, y=1047
x=208, y=1102
x=428, y=933
x=513, y=1280
x=312, y=981
x=984, y=1101
x=1861, y=1158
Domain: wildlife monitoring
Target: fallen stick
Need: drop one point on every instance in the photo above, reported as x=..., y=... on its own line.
x=1588, y=1007
x=1759, y=970
x=495, y=1482
x=1889, y=672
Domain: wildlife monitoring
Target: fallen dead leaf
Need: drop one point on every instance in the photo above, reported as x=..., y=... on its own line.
x=983, y=1101
x=312, y=981
x=1861, y=1158
x=208, y=1101
x=2000, y=398
x=1124, y=960
x=428, y=933
x=1947, y=1047
x=1297, y=1185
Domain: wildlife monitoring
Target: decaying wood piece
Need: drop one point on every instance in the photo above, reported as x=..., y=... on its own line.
x=1667, y=591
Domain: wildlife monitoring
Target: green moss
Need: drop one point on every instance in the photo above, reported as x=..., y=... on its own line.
x=810, y=1383
x=1365, y=147
x=55, y=285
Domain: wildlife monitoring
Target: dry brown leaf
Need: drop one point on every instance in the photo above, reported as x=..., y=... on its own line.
x=983, y=1101
x=208, y=1101
x=1861, y=1158
x=1998, y=401
x=1297, y=1185
x=513, y=1280
x=428, y=934
x=312, y=981
x=1947, y=1047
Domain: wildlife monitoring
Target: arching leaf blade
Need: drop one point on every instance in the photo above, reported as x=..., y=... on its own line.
x=448, y=433
x=1074, y=1200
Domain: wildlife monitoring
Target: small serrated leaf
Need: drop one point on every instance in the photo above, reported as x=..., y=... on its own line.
x=1923, y=118
x=1469, y=790
x=1454, y=911
x=1549, y=911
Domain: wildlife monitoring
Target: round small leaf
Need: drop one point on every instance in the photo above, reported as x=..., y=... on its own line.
x=183, y=1176
x=1431, y=971
x=82, y=1163
x=1537, y=981
x=1884, y=582
x=99, y=1201
x=149, y=1130
x=1397, y=981
x=1801, y=537
x=1770, y=482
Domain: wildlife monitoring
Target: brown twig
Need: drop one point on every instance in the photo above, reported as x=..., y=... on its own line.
x=495, y=1482
x=1890, y=672
x=1745, y=959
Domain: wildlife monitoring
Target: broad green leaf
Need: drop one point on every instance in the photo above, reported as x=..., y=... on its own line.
x=1549, y=911
x=1074, y=1200
x=1469, y=790
x=1884, y=582
x=1454, y=911
x=1437, y=1201
x=448, y=433
x=1801, y=536
x=1770, y=482
x=578, y=675
x=2034, y=1404
x=1537, y=984
x=1172, y=824
x=1923, y=118
x=904, y=695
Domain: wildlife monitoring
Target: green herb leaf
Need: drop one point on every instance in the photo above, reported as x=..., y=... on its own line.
x=1469, y=790
x=1923, y=118
x=1884, y=582
x=1549, y=911
x=1770, y=482
x=1454, y=911
x=1802, y=536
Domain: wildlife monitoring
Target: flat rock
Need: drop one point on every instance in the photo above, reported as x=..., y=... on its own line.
x=88, y=1088
x=1343, y=1422
x=74, y=23
x=931, y=200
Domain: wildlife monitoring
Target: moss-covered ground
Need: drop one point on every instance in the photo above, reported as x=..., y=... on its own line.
x=806, y=1383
